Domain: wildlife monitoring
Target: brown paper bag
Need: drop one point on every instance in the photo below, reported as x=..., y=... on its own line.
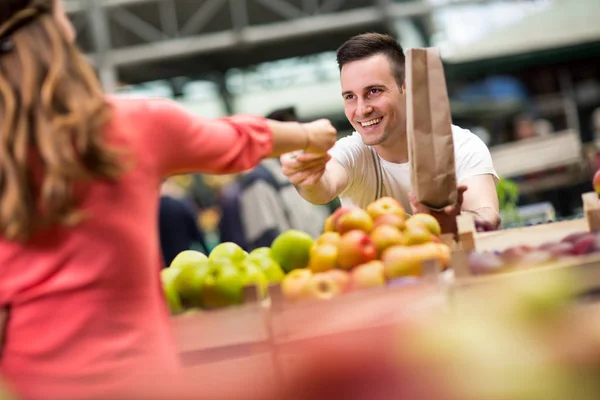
x=429, y=131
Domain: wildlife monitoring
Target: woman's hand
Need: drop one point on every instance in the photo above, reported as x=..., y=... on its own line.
x=321, y=136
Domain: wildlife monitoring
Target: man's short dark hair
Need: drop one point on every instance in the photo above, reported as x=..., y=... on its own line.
x=369, y=44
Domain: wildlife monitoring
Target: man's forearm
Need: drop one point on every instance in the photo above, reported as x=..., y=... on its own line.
x=319, y=193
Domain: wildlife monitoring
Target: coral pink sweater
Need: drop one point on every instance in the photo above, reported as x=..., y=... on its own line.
x=87, y=313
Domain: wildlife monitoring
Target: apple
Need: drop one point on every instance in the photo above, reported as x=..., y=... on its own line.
x=367, y=275
x=401, y=261
x=354, y=219
x=321, y=286
x=390, y=219
x=584, y=245
x=292, y=286
x=188, y=258
x=291, y=249
x=223, y=287
x=323, y=257
x=331, y=221
x=596, y=182
x=416, y=234
x=253, y=275
x=189, y=282
x=328, y=237
x=168, y=276
x=429, y=221
x=267, y=265
x=230, y=251
x=355, y=247
x=573, y=237
x=385, y=236
x=341, y=276
x=261, y=252
x=439, y=251
x=385, y=206
x=329, y=226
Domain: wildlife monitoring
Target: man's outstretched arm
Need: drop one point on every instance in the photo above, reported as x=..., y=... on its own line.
x=318, y=178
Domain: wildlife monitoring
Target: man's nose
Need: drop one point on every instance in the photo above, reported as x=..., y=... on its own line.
x=364, y=108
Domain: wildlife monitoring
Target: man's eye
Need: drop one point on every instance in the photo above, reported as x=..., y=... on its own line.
x=348, y=97
x=374, y=91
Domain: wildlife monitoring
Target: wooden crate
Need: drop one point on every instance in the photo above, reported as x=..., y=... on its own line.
x=535, y=235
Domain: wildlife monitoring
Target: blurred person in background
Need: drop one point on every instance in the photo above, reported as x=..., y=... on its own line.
x=526, y=126
x=261, y=204
x=375, y=156
x=79, y=245
x=178, y=223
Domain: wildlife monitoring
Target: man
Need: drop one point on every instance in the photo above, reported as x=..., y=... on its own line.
x=376, y=154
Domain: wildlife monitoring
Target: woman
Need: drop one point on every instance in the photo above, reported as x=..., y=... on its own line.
x=79, y=181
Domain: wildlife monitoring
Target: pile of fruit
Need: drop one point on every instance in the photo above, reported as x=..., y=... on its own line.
x=194, y=280
x=359, y=249
x=365, y=248
x=525, y=257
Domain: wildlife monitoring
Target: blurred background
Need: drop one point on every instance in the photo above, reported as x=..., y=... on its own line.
x=521, y=74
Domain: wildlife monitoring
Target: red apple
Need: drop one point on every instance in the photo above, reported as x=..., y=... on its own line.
x=321, y=286
x=385, y=236
x=323, y=257
x=390, y=219
x=596, y=182
x=354, y=219
x=293, y=284
x=331, y=221
x=367, y=275
x=385, y=206
x=341, y=277
x=355, y=247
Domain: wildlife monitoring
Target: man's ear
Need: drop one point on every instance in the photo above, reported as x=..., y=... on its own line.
x=403, y=88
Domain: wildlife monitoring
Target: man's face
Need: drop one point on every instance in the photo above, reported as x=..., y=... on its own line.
x=373, y=102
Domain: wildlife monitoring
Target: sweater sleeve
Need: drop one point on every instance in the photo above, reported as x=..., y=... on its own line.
x=182, y=142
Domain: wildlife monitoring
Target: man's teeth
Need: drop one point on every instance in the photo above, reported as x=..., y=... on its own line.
x=371, y=122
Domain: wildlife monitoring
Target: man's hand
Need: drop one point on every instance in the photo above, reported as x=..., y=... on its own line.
x=304, y=169
x=445, y=217
x=486, y=219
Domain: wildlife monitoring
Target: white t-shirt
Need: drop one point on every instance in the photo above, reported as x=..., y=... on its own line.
x=472, y=157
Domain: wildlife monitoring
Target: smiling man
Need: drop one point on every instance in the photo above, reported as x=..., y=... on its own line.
x=373, y=162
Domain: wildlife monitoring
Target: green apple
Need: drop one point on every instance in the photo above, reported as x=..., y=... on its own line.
x=223, y=287
x=168, y=276
x=261, y=251
x=188, y=258
x=190, y=280
x=267, y=265
x=291, y=249
x=253, y=275
x=228, y=250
